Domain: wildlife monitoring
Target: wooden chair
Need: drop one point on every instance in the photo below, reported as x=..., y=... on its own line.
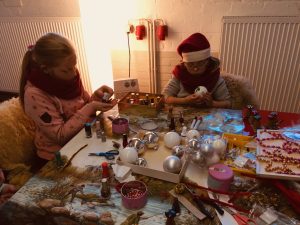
x=241, y=91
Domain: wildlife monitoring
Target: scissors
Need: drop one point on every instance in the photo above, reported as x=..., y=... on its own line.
x=240, y=219
x=108, y=155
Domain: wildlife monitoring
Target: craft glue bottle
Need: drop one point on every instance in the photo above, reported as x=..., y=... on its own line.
x=105, y=188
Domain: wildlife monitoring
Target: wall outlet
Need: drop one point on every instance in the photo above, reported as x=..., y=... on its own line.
x=123, y=86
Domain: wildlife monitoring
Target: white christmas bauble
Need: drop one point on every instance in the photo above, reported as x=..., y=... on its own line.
x=200, y=90
x=129, y=155
x=193, y=134
x=172, y=139
x=212, y=159
x=219, y=145
x=172, y=164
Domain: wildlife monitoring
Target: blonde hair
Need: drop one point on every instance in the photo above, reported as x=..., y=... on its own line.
x=48, y=51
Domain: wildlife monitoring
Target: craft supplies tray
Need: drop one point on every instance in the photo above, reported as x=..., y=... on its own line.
x=270, y=141
x=141, y=104
x=154, y=166
x=241, y=153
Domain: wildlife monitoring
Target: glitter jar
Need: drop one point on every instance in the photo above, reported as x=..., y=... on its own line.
x=134, y=194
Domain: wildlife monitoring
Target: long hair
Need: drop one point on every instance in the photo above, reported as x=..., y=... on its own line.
x=48, y=51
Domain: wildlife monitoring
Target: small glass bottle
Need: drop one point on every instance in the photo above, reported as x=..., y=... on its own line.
x=158, y=99
x=125, y=140
x=147, y=101
x=105, y=188
x=58, y=159
x=172, y=125
x=181, y=119
x=170, y=113
x=98, y=129
x=137, y=98
x=88, y=130
x=184, y=140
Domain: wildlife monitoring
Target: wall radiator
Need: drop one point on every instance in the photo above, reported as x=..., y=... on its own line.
x=267, y=51
x=17, y=33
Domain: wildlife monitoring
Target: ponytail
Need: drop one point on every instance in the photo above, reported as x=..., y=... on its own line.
x=24, y=70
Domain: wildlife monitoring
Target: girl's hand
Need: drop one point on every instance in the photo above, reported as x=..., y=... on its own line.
x=208, y=99
x=101, y=106
x=193, y=98
x=99, y=93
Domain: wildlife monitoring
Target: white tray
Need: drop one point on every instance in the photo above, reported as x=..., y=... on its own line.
x=260, y=166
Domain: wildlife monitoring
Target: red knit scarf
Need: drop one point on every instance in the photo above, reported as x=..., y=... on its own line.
x=65, y=89
x=190, y=82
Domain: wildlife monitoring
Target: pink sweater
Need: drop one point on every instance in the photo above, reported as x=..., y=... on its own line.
x=57, y=120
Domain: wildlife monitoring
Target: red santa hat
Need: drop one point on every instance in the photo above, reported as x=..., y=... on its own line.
x=195, y=48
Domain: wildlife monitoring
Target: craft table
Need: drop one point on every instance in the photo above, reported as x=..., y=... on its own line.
x=22, y=208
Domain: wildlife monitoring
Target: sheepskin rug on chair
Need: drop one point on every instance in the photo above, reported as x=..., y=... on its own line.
x=241, y=91
x=16, y=142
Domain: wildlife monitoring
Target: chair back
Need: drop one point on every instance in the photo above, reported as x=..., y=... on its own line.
x=241, y=91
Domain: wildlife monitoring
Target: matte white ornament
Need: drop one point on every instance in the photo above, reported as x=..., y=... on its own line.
x=200, y=90
x=172, y=164
x=172, y=139
x=129, y=155
x=192, y=134
x=219, y=145
x=213, y=159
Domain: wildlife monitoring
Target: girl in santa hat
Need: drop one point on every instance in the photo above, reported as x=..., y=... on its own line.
x=197, y=68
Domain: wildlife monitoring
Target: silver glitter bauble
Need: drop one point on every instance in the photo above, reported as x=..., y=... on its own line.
x=178, y=151
x=138, y=144
x=198, y=158
x=151, y=140
x=206, y=149
x=172, y=164
x=194, y=144
x=141, y=162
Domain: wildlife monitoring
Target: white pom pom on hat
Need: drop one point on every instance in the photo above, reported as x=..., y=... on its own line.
x=194, y=48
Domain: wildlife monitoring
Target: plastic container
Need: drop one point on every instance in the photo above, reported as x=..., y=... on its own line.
x=219, y=177
x=134, y=195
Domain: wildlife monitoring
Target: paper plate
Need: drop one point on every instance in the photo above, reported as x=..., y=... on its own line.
x=150, y=125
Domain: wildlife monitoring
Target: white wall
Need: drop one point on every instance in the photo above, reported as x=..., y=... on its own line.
x=39, y=8
x=182, y=16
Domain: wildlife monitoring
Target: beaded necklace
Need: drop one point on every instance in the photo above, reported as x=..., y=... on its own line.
x=276, y=154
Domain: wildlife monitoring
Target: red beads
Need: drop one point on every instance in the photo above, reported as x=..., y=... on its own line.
x=134, y=193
